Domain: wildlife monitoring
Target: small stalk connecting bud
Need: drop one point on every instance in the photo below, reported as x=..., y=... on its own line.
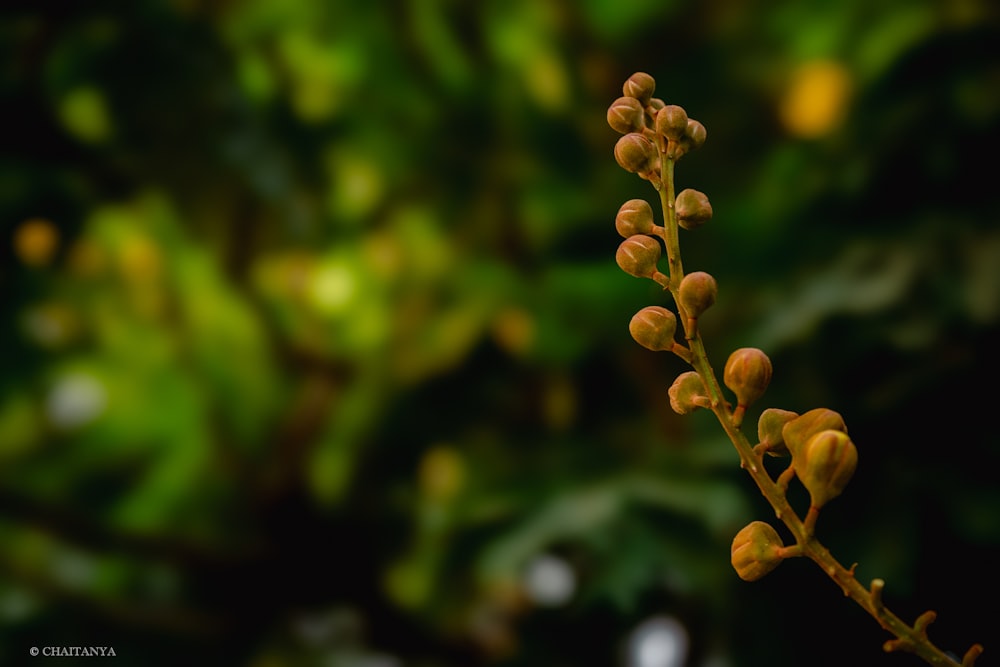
x=747, y=373
x=653, y=327
x=696, y=294
x=757, y=549
x=825, y=465
x=635, y=217
x=688, y=393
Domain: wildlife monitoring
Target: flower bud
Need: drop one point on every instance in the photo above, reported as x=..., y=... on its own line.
x=696, y=294
x=653, y=327
x=687, y=393
x=694, y=135
x=769, y=428
x=693, y=209
x=671, y=122
x=634, y=217
x=747, y=373
x=640, y=86
x=635, y=153
x=826, y=464
x=626, y=114
x=756, y=551
x=637, y=255
x=654, y=105
x=798, y=431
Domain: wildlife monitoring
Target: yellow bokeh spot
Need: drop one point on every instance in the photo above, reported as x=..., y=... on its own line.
x=514, y=330
x=35, y=242
x=441, y=473
x=816, y=99
x=84, y=113
x=140, y=260
x=333, y=286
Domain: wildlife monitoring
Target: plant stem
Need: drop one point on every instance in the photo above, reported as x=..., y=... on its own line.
x=909, y=638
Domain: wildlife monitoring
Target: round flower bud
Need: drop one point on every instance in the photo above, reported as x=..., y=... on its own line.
x=653, y=327
x=634, y=217
x=637, y=255
x=671, y=122
x=640, y=86
x=635, y=153
x=756, y=551
x=696, y=294
x=798, y=431
x=769, y=428
x=825, y=465
x=694, y=135
x=747, y=373
x=626, y=114
x=693, y=209
x=688, y=393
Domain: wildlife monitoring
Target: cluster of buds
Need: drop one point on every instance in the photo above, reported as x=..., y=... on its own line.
x=650, y=129
x=823, y=457
x=655, y=133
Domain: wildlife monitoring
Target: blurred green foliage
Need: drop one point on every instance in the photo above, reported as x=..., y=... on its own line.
x=316, y=353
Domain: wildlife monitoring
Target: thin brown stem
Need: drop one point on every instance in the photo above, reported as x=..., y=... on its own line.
x=909, y=638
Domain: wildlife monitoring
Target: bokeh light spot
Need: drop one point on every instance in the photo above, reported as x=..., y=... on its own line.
x=35, y=242
x=661, y=641
x=816, y=99
x=549, y=581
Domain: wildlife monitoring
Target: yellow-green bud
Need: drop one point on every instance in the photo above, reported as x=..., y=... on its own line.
x=637, y=255
x=671, y=122
x=747, y=373
x=640, y=86
x=696, y=294
x=769, y=429
x=756, y=550
x=825, y=465
x=635, y=153
x=692, y=208
x=634, y=217
x=798, y=431
x=653, y=327
x=688, y=393
x=626, y=114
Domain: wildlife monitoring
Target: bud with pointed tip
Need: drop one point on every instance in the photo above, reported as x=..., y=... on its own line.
x=671, y=122
x=756, y=550
x=748, y=373
x=634, y=217
x=626, y=114
x=825, y=465
x=635, y=153
x=688, y=393
x=653, y=327
x=769, y=429
x=637, y=256
x=640, y=86
x=696, y=294
x=693, y=209
x=798, y=431
x=694, y=135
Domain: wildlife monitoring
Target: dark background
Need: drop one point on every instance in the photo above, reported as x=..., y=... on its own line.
x=315, y=351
